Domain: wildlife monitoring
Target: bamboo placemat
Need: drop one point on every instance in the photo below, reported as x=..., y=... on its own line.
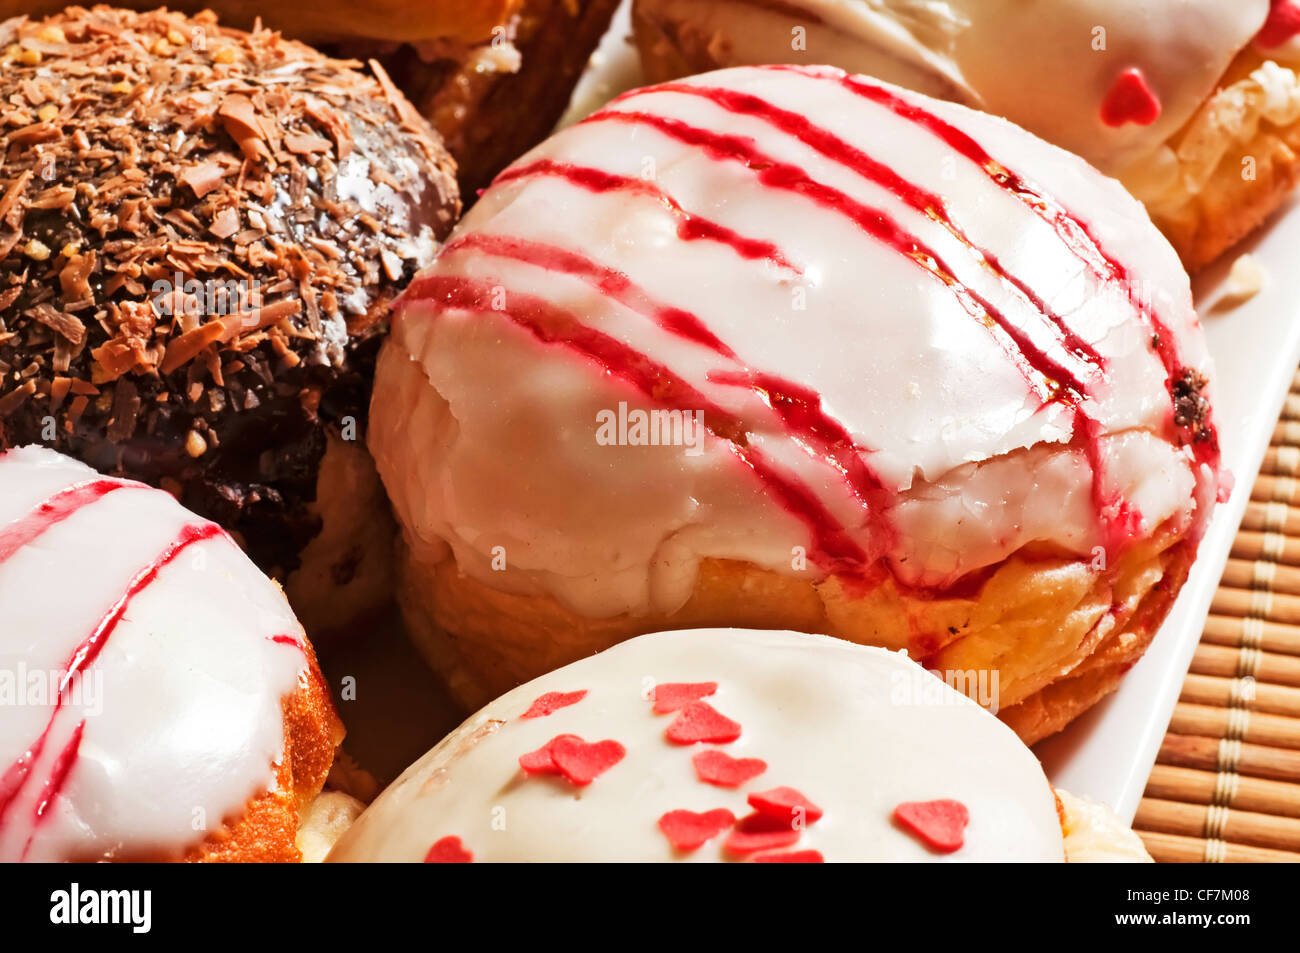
x=1226, y=785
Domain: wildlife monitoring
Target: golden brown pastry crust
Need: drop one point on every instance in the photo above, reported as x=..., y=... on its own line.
x=267, y=830
x=1230, y=204
x=1059, y=634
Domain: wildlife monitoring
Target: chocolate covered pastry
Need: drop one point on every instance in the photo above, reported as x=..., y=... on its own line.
x=493, y=75
x=200, y=233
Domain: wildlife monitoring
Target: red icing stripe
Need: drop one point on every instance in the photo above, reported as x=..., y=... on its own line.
x=16, y=775
x=691, y=227
x=927, y=203
x=22, y=531
x=59, y=772
x=89, y=649
x=798, y=407
x=612, y=284
x=1031, y=359
x=832, y=548
x=1073, y=232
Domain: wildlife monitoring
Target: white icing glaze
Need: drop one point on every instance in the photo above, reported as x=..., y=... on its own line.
x=487, y=438
x=182, y=705
x=857, y=730
x=1047, y=65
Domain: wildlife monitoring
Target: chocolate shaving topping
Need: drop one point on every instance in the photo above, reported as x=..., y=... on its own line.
x=1191, y=408
x=198, y=245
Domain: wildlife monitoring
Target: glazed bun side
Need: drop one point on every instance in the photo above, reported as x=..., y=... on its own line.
x=600, y=760
x=1059, y=635
x=201, y=232
x=1194, y=106
x=935, y=384
x=166, y=704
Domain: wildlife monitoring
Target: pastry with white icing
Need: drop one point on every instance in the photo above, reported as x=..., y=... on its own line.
x=787, y=348
x=161, y=702
x=734, y=745
x=1194, y=104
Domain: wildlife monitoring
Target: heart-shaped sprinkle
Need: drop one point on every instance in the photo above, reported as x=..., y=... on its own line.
x=786, y=804
x=541, y=761
x=760, y=832
x=688, y=830
x=941, y=824
x=581, y=762
x=720, y=768
x=449, y=850
x=552, y=702
x=1283, y=23
x=675, y=695
x=700, y=721
x=1130, y=100
x=791, y=857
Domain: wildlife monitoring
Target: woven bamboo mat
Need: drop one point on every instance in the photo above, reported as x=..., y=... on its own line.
x=1226, y=785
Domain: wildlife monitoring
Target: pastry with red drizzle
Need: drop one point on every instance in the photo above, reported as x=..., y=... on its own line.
x=862, y=756
x=201, y=230
x=788, y=348
x=1195, y=105
x=161, y=702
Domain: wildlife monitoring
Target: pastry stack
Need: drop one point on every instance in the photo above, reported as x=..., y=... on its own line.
x=767, y=458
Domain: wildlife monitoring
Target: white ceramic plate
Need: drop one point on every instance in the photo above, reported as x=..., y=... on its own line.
x=1108, y=753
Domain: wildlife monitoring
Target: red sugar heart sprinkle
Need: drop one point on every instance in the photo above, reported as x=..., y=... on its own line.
x=700, y=721
x=720, y=768
x=688, y=830
x=787, y=804
x=941, y=824
x=675, y=695
x=449, y=850
x=1130, y=100
x=552, y=702
x=792, y=857
x=542, y=761
x=581, y=762
x=1283, y=23
x=760, y=832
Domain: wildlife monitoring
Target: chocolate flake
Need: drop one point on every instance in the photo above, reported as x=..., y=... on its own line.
x=151, y=194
